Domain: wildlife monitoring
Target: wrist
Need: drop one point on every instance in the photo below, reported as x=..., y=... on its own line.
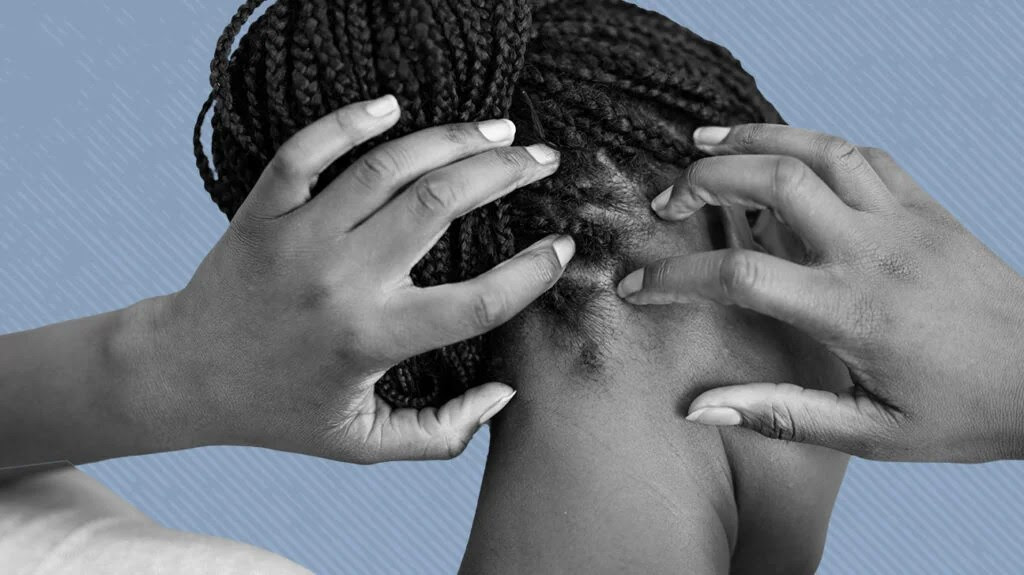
x=158, y=395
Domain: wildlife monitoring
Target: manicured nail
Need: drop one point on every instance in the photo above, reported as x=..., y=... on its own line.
x=543, y=154
x=631, y=284
x=719, y=416
x=710, y=135
x=497, y=130
x=661, y=200
x=382, y=106
x=564, y=247
x=494, y=409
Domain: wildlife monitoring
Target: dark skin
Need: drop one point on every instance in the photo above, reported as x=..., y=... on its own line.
x=928, y=320
x=279, y=337
x=599, y=472
x=276, y=341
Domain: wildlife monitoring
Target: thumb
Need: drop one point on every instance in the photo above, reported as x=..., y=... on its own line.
x=443, y=432
x=853, y=423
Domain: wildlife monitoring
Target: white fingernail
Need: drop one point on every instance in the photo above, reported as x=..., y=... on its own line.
x=564, y=247
x=494, y=409
x=497, y=130
x=543, y=154
x=661, y=200
x=718, y=416
x=382, y=106
x=710, y=135
x=631, y=284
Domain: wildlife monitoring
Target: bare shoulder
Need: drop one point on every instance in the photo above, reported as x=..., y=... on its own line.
x=63, y=521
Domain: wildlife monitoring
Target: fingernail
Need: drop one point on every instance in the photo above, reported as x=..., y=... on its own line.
x=494, y=409
x=710, y=135
x=497, y=130
x=719, y=416
x=661, y=200
x=382, y=106
x=564, y=247
x=543, y=154
x=631, y=283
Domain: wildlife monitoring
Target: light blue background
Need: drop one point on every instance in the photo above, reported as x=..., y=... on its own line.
x=101, y=206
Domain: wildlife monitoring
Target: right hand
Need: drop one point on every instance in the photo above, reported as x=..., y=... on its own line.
x=304, y=303
x=929, y=322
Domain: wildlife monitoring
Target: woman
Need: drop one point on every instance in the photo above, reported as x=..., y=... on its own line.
x=592, y=468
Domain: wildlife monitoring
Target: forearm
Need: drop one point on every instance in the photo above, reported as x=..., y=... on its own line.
x=89, y=389
x=63, y=521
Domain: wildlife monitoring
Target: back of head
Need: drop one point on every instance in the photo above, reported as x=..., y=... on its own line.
x=616, y=89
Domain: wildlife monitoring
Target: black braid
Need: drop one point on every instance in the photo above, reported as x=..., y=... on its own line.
x=617, y=89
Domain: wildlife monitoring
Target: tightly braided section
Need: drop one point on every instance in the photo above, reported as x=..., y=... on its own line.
x=617, y=89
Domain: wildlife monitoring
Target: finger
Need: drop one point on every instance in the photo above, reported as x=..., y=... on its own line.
x=737, y=228
x=377, y=176
x=286, y=182
x=440, y=433
x=838, y=162
x=852, y=423
x=808, y=298
x=785, y=185
x=899, y=182
x=436, y=316
x=402, y=231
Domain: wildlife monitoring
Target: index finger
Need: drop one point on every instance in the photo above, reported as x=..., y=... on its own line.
x=804, y=297
x=286, y=182
x=441, y=315
x=839, y=163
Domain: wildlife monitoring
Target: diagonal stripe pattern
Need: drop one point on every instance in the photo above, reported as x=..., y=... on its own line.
x=102, y=207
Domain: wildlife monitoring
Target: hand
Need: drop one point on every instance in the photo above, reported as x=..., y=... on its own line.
x=305, y=302
x=929, y=321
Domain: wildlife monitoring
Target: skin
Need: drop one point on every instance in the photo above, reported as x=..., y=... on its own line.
x=276, y=341
x=65, y=522
x=297, y=311
x=599, y=472
x=929, y=321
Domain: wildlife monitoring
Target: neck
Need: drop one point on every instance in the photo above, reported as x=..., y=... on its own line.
x=597, y=469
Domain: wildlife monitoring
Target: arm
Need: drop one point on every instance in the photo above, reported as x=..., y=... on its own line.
x=304, y=303
x=89, y=389
x=63, y=521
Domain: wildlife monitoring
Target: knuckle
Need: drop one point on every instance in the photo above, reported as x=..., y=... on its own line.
x=739, y=274
x=514, y=160
x=453, y=445
x=433, y=195
x=456, y=134
x=788, y=177
x=489, y=310
x=751, y=135
x=351, y=124
x=838, y=153
x=780, y=423
x=378, y=165
x=287, y=162
x=345, y=118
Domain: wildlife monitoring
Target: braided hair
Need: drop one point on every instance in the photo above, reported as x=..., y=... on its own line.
x=617, y=89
